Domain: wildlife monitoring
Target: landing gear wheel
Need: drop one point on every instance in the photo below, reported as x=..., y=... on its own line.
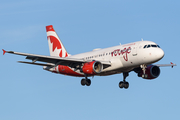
x=126, y=85
x=88, y=82
x=144, y=76
x=83, y=82
x=121, y=84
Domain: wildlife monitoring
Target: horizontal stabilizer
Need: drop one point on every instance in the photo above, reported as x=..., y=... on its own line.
x=4, y=51
x=165, y=65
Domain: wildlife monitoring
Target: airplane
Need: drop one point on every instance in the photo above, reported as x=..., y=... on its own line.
x=137, y=56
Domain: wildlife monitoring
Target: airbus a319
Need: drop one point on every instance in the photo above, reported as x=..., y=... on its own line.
x=137, y=56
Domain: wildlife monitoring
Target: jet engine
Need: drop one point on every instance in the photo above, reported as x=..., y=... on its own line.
x=92, y=68
x=152, y=72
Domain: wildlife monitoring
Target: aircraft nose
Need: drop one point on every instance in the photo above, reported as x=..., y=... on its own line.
x=159, y=54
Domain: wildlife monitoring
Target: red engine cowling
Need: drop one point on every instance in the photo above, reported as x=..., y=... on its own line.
x=152, y=72
x=92, y=68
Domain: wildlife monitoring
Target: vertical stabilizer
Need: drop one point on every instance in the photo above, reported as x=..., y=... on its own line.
x=56, y=47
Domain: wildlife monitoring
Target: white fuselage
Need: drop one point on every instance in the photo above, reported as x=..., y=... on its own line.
x=124, y=57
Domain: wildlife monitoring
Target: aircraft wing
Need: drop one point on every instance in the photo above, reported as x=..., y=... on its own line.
x=52, y=60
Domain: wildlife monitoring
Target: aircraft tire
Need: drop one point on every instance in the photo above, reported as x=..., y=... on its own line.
x=83, y=82
x=88, y=82
x=126, y=85
x=144, y=76
x=121, y=84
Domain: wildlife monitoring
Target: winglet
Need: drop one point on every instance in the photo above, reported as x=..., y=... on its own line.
x=4, y=51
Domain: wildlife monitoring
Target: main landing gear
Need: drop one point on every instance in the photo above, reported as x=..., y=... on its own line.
x=86, y=81
x=124, y=84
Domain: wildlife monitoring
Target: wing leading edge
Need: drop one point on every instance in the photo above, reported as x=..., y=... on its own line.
x=51, y=60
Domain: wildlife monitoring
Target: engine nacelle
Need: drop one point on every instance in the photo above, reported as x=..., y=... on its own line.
x=92, y=68
x=152, y=72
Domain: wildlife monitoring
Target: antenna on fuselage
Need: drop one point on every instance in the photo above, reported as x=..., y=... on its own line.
x=142, y=39
x=120, y=43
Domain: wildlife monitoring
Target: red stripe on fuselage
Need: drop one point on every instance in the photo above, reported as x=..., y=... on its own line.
x=67, y=71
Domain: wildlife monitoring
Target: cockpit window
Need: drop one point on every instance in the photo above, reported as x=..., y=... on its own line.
x=148, y=46
x=152, y=45
x=158, y=46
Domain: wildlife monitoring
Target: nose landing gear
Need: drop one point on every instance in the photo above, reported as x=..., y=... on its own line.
x=144, y=75
x=124, y=84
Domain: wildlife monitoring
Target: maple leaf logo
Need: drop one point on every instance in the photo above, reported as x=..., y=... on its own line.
x=57, y=45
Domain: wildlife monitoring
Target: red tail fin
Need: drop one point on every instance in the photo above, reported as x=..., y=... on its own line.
x=56, y=47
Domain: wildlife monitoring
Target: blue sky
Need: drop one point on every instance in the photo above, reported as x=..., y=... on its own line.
x=29, y=93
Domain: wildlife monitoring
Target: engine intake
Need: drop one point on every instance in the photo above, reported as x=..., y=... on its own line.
x=155, y=71
x=92, y=68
